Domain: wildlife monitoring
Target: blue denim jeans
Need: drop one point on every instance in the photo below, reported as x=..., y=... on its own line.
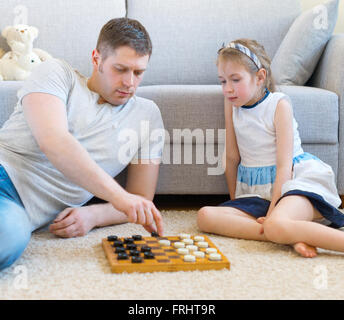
x=15, y=227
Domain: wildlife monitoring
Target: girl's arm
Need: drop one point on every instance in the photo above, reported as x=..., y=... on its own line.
x=285, y=146
x=232, y=158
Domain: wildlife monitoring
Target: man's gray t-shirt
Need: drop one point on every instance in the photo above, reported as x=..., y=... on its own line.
x=114, y=136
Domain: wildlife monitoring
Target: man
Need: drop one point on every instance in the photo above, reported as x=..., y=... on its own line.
x=64, y=144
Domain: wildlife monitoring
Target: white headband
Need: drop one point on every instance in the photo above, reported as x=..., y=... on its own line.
x=246, y=51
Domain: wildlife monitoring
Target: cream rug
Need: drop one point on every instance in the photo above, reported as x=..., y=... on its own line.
x=55, y=268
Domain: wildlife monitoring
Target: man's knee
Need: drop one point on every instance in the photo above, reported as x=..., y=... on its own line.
x=14, y=238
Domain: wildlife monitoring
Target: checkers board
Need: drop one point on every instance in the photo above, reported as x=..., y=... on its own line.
x=161, y=258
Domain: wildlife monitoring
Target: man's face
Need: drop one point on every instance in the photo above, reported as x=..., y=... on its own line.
x=119, y=75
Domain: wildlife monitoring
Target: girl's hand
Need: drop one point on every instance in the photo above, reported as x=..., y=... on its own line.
x=261, y=220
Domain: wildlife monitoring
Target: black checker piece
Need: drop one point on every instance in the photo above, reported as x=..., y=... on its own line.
x=134, y=253
x=119, y=249
x=112, y=238
x=128, y=240
x=136, y=259
x=117, y=243
x=122, y=256
x=149, y=255
x=131, y=246
x=146, y=249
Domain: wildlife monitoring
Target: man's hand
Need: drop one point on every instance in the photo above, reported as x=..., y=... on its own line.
x=76, y=222
x=73, y=222
x=141, y=211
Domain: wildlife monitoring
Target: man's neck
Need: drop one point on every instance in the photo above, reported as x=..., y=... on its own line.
x=91, y=86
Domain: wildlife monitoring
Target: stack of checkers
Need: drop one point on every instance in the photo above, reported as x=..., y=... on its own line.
x=173, y=253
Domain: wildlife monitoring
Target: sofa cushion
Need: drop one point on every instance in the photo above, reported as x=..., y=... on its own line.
x=8, y=98
x=192, y=107
x=304, y=43
x=207, y=178
x=186, y=35
x=200, y=107
x=67, y=29
x=316, y=111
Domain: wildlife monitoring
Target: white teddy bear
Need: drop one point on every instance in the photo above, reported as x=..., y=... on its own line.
x=18, y=68
x=18, y=63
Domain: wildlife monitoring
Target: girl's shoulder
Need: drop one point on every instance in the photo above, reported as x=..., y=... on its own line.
x=278, y=95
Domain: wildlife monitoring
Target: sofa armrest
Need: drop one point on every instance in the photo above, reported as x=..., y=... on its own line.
x=329, y=75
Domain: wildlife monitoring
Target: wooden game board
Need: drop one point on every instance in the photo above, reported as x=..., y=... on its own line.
x=165, y=258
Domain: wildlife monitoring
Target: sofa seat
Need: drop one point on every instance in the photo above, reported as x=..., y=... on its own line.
x=201, y=106
x=194, y=121
x=193, y=115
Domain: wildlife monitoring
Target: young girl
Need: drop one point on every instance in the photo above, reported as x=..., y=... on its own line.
x=280, y=193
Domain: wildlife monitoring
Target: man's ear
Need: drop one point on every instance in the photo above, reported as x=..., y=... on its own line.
x=96, y=58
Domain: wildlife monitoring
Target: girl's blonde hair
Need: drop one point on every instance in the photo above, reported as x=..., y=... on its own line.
x=241, y=58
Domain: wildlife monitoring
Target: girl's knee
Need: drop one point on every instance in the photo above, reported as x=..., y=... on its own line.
x=277, y=230
x=204, y=218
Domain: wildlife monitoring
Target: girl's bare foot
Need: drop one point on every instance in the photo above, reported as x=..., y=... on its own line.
x=305, y=250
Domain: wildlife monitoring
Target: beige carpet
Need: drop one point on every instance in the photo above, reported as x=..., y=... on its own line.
x=54, y=268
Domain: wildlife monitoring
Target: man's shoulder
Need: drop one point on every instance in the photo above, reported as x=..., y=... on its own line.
x=145, y=104
x=52, y=67
x=55, y=64
x=53, y=76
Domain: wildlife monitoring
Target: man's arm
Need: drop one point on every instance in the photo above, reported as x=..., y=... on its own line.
x=47, y=119
x=141, y=180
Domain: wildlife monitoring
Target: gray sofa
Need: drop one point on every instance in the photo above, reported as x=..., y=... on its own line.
x=182, y=77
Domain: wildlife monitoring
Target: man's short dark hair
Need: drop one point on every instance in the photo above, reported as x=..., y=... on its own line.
x=124, y=32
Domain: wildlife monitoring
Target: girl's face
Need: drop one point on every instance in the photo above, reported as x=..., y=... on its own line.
x=238, y=85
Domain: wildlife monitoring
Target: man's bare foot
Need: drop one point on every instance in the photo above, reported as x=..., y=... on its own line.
x=305, y=250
